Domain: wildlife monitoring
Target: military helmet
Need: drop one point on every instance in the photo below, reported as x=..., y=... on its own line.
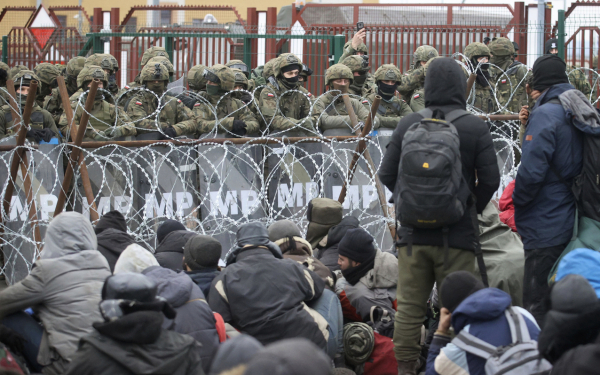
x=15, y=70
x=100, y=59
x=75, y=65
x=24, y=78
x=61, y=68
x=154, y=72
x=502, y=47
x=477, y=49
x=240, y=65
x=240, y=78
x=115, y=63
x=338, y=71
x=165, y=61
x=357, y=63
x=195, y=77
x=153, y=52
x=268, y=68
x=361, y=47
x=388, y=72
x=286, y=60
x=4, y=67
x=424, y=53
x=47, y=73
x=222, y=75
x=306, y=71
x=89, y=73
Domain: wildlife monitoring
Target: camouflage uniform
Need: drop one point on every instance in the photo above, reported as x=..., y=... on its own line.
x=350, y=51
x=240, y=65
x=359, y=64
x=330, y=111
x=15, y=70
x=53, y=103
x=241, y=80
x=483, y=99
x=196, y=83
x=509, y=76
x=283, y=109
x=579, y=79
x=40, y=118
x=392, y=110
x=265, y=72
x=125, y=93
x=105, y=61
x=48, y=74
x=4, y=97
x=103, y=115
x=416, y=97
x=228, y=110
x=145, y=103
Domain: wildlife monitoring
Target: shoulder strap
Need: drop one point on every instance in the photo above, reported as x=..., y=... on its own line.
x=518, y=327
x=474, y=345
x=426, y=112
x=381, y=110
x=456, y=114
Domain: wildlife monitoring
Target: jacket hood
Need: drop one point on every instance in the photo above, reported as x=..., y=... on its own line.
x=134, y=259
x=68, y=233
x=113, y=220
x=302, y=246
x=235, y=352
x=384, y=273
x=336, y=233
x=175, y=287
x=585, y=116
x=445, y=84
x=114, y=240
x=250, y=236
x=553, y=93
x=174, y=241
x=289, y=357
x=584, y=262
x=270, y=246
x=483, y=305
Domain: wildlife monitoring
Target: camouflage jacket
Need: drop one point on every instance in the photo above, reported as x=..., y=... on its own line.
x=283, y=109
x=417, y=100
x=579, y=79
x=127, y=92
x=411, y=81
x=388, y=113
x=53, y=104
x=4, y=96
x=141, y=110
x=228, y=110
x=330, y=114
x=40, y=119
x=483, y=98
x=102, y=116
x=367, y=88
x=511, y=84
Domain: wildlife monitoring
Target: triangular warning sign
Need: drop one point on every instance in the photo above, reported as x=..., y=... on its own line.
x=42, y=26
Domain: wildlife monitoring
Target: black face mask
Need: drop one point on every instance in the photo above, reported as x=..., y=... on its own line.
x=386, y=89
x=360, y=79
x=290, y=83
x=112, y=83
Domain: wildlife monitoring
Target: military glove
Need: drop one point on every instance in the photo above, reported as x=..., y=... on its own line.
x=114, y=132
x=46, y=134
x=307, y=124
x=239, y=128
x=35, y=134
x=169, y=132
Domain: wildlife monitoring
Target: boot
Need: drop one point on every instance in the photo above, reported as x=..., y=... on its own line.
x=407, y=367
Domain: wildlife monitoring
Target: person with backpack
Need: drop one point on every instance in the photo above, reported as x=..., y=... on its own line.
x=492, y=337
x=428, y=251
x=544, y=203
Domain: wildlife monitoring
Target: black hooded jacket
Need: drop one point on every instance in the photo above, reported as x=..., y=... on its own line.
x=111, y=233
x=169, y=252
x=445, y=89
x=329, y=255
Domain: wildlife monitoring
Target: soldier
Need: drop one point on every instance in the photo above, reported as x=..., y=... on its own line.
x=240, y=65
x=105, y=61
x=304, y=74
x=197, y=84
x=221, y=112
x=392, y=108
x=53, y=103
x=144, y=104
x=241, y=85
x=4, y=97
x=104, y=116
x=148, y=54
x=15, y=70
x=509, y=75
x=576, y=76
x=359, y=65
x=260, y=76
x=483, y=99
x=422, y=55
x=125, y=99
x=47, y=73
x=330, y=113
x=284, y=104
x=356, y=46
x=41, y=125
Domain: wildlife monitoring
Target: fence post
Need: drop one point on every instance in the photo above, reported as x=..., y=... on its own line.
x=338, y=47
x=97, y=44
x=251, y=28
x=270, y=44
x=5, y=49
x=97, y=22
x=115, y=45
x=248, y=52
x=169, y=46
x=561, y=34
x=520, y=29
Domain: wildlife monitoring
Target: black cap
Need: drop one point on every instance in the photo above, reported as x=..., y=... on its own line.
x=548, y=70
x=357, y=245
x=129, y=286
x=456, y=287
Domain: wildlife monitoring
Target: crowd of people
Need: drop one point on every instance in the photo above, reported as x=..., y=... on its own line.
x=448, y=298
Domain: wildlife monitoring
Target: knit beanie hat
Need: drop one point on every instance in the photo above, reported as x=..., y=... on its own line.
x=282, y=229
x=549, y=70
x=357, y=245
x=456, y=287
x=202, y=252
x=167, y=227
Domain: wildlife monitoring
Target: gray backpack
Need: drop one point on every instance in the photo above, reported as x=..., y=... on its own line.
x=519, y=358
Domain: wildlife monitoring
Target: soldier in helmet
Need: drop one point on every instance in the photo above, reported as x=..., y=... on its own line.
x=359, y=65
x=330, y=112
x=53, y=103
x=416, y=97
x=509, y=75
x=576, y=76
x=15, y=70
x=125, y=99
x=356, y=46
x=220, y=112
x=284, y=103
x=3, y=77
x=103, y=116
x=483, y=97
x=47, y=73
x=391, y=109
x=304, y=74
x=144, y=104
x=241, y=85
x=240, y=65
x=148, y=54
x=41, y=125
x=260, y=76
x=197, y=84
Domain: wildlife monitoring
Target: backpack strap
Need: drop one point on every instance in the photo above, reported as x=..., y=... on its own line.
x=456, y=114
x=518, y=328
x=474, y=345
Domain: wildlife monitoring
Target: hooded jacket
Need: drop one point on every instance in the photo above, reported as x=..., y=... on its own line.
x=264, y=296
x=303, y=254
x=64, y=288
x=482, y=315
x=584, y=262
x=445, y=89
x=194, y=316
x=376, y=288
x=136, y=344
x=329, y=255
x=169, y=252
x=545, y=206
